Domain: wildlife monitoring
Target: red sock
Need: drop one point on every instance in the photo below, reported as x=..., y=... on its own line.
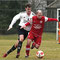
x=27, y=50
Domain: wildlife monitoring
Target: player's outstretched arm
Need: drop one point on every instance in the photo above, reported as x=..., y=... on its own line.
x=15, y=18
x=52, y=19
x=9, y=28
x=24, y=26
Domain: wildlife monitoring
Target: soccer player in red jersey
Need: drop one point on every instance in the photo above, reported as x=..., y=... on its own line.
x=36, y=31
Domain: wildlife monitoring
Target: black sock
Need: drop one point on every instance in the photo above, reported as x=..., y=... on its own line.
x=12, y=49
x=19, y=47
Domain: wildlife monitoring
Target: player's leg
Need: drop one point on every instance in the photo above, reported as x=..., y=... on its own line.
x=22, y=35
x=28, y=47
x=38, y=42
x=33, y=45
x=11, y=50
x=21, y=38
x=29, y=39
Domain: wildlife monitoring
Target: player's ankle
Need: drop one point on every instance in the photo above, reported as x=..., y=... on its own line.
x=18, y=53
x=32, y=47
x=17, y=56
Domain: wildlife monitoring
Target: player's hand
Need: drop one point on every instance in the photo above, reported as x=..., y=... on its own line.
x=24, y=26
x=9, y=28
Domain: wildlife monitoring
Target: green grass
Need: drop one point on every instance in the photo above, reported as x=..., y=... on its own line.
x=49, y=46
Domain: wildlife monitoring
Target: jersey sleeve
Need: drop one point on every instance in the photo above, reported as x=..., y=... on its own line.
x=46, y=19
x=30, y=22
x=27, y=24
x=15, y=18
x=50, y=19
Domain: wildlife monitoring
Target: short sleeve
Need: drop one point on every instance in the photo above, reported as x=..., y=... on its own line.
x=46, y=19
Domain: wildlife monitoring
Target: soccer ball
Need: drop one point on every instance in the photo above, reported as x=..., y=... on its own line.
x=40, y=54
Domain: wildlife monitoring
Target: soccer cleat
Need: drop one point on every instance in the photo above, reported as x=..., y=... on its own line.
x=17, y=56
x=32, y=47
x=26, y=56
x=5, y=55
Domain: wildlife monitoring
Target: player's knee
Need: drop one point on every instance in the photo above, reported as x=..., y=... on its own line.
x=21, y=39
x=28, y=41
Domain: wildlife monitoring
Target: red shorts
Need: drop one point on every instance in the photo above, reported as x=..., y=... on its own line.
x=35, y=38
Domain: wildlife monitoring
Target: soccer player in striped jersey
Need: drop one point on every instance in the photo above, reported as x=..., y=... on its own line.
x=24, y=17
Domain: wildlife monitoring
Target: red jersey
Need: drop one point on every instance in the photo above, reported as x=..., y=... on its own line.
x=38, y=24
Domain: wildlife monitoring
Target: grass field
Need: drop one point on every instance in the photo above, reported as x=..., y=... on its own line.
x=49, y=46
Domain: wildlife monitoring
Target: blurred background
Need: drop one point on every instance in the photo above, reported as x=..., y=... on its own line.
x=9, y=8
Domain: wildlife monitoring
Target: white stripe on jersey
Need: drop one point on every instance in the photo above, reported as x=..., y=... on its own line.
x=46, y=18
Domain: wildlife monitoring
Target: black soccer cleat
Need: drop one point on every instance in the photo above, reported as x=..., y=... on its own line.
x=17, y=56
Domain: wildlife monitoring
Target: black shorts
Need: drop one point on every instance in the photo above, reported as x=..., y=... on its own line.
x=22, y=32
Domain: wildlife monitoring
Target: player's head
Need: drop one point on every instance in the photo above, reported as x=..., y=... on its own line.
x=28, y=8
x=39, y=14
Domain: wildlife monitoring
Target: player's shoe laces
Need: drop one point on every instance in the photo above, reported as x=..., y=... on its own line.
x=17, y=56
x=5, y=55
x=32, y=47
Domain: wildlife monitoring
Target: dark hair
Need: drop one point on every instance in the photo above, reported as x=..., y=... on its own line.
x=28, y=5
